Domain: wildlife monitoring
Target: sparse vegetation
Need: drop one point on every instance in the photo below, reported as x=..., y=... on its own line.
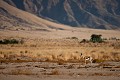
x=11, y=41
x=84, y=41
x=96, y=38
x=72, y=38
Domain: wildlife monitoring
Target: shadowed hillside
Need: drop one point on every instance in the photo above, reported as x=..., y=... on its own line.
x=99, y=14
x=15, y=19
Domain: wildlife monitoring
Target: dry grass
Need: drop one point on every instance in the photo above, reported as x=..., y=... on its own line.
x=61, y=50
x=98, y=61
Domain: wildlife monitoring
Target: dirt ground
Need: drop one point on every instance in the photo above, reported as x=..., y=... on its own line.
x=56, y=71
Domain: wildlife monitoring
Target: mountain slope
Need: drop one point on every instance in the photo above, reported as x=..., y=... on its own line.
x=13, y=18
x=100, y=14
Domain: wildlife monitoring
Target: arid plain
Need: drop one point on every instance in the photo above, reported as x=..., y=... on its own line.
x=49, y=50
x=56, y=55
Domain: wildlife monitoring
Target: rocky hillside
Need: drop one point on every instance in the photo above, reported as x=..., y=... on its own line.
x=12, y=18
x=99, y=14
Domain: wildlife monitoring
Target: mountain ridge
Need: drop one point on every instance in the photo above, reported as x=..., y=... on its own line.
x=14, y=18
x=98, y=14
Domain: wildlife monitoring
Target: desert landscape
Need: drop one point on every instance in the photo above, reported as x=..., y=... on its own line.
x=59, y=40
x=57, y=56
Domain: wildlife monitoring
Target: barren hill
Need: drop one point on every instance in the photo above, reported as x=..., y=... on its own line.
x=16, y=19
x=99, y=14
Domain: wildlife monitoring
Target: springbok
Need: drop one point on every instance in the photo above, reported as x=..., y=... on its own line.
x=87, y=58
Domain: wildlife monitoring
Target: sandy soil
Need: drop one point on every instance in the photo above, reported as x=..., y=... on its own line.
x=80, y=33
x=56, y=71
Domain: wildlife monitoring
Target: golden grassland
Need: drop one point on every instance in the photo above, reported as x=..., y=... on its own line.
x=59, y=50
x=59, y=45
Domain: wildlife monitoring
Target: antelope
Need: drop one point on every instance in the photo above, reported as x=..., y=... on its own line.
x=87, y=58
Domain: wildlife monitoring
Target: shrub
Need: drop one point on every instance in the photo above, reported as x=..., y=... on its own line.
x=10, y=41
x=96, y=38
x=84, y=41
x=13, y=41
x=74, y=38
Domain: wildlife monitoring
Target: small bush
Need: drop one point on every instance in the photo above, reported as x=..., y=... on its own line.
x=84, y=41
x=74, y=38
x=10, y=41
x=96, y=38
